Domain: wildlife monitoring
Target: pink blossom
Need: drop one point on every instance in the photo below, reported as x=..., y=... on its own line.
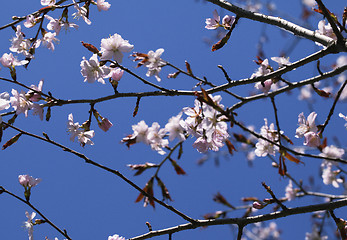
x=57, y=24
x=263, y=147
x=113, y=47
x=92, y=71
x=154, y=63
x=35, y=97
x=102, y=5
x=37, y=110
x=282, y=61
x=140, y=132
x=175, y=129
x=329, y=176
x=9, y=61
x=115, y=237
x=156, y=139
x=213, y=23
x=28, y=181
x=21, y=45
x=116, y=74
x=264, y=86
x=47, y=2
x=312, y=139
x=290, y=191
x=30, y=21
x=76, y=131
x=305, y=126
x=228, y=21
x=49, y=39
x=29, y=225
x=81, y=12
x=264, y=68
x=325, y=30
x=20, y=103
x=4, y=100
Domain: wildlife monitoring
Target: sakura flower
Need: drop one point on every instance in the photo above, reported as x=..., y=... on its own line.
x=305, y=93
x=116, y=74
x=37, y=110
x=35, y=96
x=30, y=21
x=113, y=47
x=76, y=131
x=20, y=103
x=4, y=100
x=264, y=68
x=332, y=152
x=228, y=21
x=29, y=225
x=305, y=126
x=312, y=139
x=115, y=237
x=309, y=3
x=92, y=71
x=73, y=128
x=102, y=5
x=264, y=86
x=81, y=12
x=325, y=30
x=269, y=232
x=57, y=24
x=154, y=63
x=9, y=61
x=140, y=132
x=28, y=181
x=175, y=129
x=329, y=176
x=49, y=39
x=282, y=61
x=47, y=2
x=156, y=138
x=264, y=147
x=290, y=191
x=344, y=117
x=213, y=23
x=21, y=45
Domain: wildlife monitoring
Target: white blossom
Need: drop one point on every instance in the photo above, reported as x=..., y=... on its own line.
x=92, y=71
x=113, y=47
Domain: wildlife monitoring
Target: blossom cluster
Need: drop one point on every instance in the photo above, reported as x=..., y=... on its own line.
x=203, y=122
x=22, y=101
x=214, y=22
x=263, y=146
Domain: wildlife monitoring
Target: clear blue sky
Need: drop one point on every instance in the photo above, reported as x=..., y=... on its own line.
x=92, y=204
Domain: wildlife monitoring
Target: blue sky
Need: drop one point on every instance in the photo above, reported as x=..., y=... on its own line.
x=92, y=204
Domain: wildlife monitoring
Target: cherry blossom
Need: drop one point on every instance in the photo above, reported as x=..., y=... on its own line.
x=154, y=63
x=9, y=61
x=76, y=131
x=282, y=61
x=209, y=127
x=332, y=152
x=37, y=110
x=140, y=132
x=156, y=138
x=264, y=68
x=116, y=74
x=263, y=147
x=175, y=129
x=47, y=2
x=213, y=23
x=329, y=176
x=57, y=24
x=309, y=3
x=290, y=191
x=92, y=71
x=228, y=21
x=20, y=44
x=102, y=5
x=114, y=46
x=261, y=232
x=28, y=181
x=4, y=100
x=264, y=86
x=49, y=39
x=81, y=12
x=29, y=225
x=30, y=21
x=20, y=103
x=34, y=96
x=305, y=93
x=325, y=30
x=308, y=129
x=115, y=237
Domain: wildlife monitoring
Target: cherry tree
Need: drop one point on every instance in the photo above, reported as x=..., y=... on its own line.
x=248, y=133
